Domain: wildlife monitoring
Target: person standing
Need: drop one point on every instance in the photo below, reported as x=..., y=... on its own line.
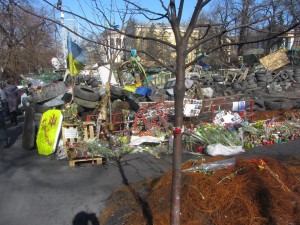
x=3, y=131
x=12, y=96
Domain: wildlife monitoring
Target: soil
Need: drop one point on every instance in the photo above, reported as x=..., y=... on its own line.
x=251, y=192
x=279, y=115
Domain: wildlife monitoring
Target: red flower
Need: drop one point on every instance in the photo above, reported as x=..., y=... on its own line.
x=177, y=130
x=199, y=149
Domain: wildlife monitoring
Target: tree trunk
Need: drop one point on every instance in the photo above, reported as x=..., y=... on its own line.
x=179, y=91
x=243, y=30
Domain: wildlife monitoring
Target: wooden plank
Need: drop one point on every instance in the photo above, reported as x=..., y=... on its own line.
x=275, y=60
x=244, y=75
x=88, y=132
x=97, y=160
x=92, y=132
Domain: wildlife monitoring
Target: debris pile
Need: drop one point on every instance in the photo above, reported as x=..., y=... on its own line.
x=247, y=191
x=93, y=114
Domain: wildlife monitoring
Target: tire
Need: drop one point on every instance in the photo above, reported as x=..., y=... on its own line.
x=252, y=81
x=257, y=108
x=39, y=108
x=67, y=98
x=218, y=79
x=284, y=76
x=297, y=79
x=91, y=80
x=49, y=92
x=278, y=104
x=229, y=92
x=296, y=75
x=261, y=84
x=29, y=134
x=81, y=109
x=250, y=76
x=85, y=103
x=37, y=119
x=86, y=93
x=95, y=84
x=259, y=104
x=250, y=86
x=297, y=70
x=261, y=79
x=237, y=86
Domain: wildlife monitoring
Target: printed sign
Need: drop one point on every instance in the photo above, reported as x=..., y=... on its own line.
x=192, y=107
x=49, y=131
x=238, y=106
x=224, y=117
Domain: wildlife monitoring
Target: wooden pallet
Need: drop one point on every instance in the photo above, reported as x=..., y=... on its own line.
x=97, y=160
x=70, y=133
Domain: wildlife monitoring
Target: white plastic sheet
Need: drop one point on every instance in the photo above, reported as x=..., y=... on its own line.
x=136, y=140
x=219, y=149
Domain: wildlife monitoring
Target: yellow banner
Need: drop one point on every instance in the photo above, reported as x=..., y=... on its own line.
x=49, y=131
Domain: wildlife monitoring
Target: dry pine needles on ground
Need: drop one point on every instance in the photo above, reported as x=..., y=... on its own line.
x=250, y=192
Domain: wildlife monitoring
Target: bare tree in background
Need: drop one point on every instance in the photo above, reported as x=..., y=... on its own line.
x=27, y=42
x=172, y=11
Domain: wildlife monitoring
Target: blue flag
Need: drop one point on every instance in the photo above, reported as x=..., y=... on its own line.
x=76, y=58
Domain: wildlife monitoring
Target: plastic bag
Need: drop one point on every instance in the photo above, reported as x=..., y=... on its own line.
x=219, y=149
x=213, y=165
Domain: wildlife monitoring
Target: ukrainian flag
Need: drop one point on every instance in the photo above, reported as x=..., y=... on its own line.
x=76, y=58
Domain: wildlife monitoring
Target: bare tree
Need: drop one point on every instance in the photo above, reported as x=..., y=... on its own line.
x=172, y=11
x=27, y=42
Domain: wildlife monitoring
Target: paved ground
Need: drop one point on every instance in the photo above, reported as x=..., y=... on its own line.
x=39, y=190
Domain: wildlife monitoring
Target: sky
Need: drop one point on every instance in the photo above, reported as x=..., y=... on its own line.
x=153, y=5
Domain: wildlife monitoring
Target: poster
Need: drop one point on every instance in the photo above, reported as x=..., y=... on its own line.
x=238, y=106
x=192, y=107
x=226, y=117
x=49, y=130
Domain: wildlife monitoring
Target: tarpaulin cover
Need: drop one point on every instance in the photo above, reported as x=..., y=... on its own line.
x=131, y=88
x=143, y=91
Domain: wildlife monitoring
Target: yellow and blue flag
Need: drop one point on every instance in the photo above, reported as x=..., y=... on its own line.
x=76, y=58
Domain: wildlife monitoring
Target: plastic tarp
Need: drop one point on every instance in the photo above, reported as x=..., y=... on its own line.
x=143, y=91
x=213, y=165
x=137, y=140
x=219, y=149
x=103, y=72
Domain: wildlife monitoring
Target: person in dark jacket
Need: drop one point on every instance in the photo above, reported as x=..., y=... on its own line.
x=4, y=139
x=12, y=97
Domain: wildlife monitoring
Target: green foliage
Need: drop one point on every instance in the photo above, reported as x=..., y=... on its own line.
x=211, y=134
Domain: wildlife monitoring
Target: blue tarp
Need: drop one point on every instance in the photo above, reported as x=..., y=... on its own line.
x=143, y=91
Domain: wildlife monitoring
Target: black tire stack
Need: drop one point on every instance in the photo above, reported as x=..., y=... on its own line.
x=86, y=97
x=251, y=81
x=44, y=96
x=92, y=81
x=261, y=78
x=284, y=79
x=297, y=76
x=278, y=104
